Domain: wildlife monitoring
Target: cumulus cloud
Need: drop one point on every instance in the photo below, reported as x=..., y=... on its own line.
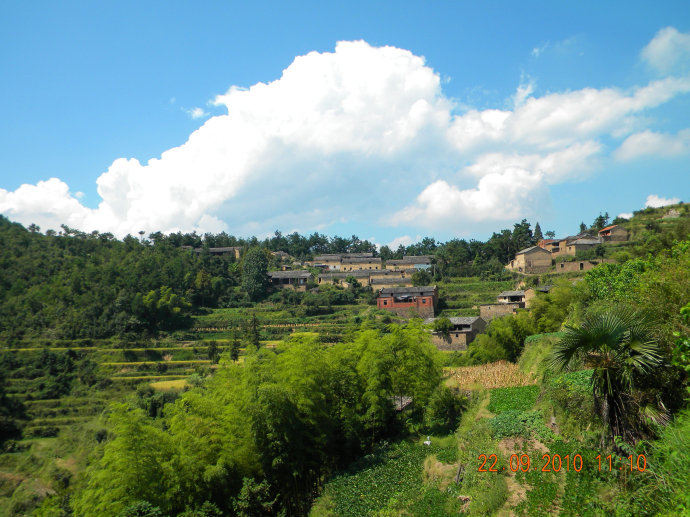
x=626, y=215
x=669, y=51
x=404, y=240
x=655, y=201
x=650, y=143
x=196, y=113
x=340, y=129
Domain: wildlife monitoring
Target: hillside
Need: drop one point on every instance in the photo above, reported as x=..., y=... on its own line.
x=90, y=322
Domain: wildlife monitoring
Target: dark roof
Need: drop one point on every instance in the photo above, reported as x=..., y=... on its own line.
x=461, y=320
x=530, y=249
x=512, y=293
x=390, y=281
x=344, y=274
x=360, y=260
x=586, y=242
x=423, y=290
x=289, y=274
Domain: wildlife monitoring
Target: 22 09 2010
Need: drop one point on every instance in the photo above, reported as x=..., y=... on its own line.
x=556, y=463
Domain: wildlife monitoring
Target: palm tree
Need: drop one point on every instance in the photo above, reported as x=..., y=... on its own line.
x=621, y=347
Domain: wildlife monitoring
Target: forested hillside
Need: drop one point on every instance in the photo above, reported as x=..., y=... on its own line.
x=141, y=378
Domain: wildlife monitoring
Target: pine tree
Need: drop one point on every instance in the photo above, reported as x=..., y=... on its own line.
x=537, y=233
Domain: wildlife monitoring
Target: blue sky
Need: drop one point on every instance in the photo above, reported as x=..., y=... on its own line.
x=443, y=119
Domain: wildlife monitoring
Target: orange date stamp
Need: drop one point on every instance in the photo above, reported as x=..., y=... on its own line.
x=557, y=463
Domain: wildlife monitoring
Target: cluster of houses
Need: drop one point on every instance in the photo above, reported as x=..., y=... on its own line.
x=541, y=258
x=363, y=267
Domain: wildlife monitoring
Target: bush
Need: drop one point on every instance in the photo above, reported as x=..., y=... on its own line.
x=444, y=410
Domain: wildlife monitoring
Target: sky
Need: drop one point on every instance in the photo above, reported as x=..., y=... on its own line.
x=387, y=120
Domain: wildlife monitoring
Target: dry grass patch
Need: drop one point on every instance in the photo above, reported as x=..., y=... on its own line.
x=437, y=473
x=169, y=385
x=500, y=374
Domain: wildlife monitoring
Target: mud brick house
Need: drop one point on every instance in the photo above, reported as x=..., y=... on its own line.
x=296, y=280
x=407, y=301
x=550, y=245
x=463, y=333
x=580, y=265
x=410, y=263
x=489, y=311
x=390, y=281
x=348, y=263
x=573, y=244
x=613, y=233
x=531, y=260
x=339, y=277
x=511, y=297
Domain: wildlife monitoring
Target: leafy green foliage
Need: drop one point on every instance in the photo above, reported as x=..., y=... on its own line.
x=519, y=398
x=526, y=424
x=388, y=478
x=622, y=349
x=254, y=273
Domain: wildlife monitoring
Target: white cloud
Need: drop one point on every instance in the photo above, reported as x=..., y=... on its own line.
x=656, y=201
x=669, y=51
x=537, y=51
x=626, y=215
x=404, y=240
x=338, y=129
x=649, y=143
x=47, y=204
x=196, y=113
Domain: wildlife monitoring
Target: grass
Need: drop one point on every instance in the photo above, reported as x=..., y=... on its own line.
x=169, y=385
x=493, y=375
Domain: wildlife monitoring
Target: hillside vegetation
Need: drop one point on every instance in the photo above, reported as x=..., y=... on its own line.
x=141, y=378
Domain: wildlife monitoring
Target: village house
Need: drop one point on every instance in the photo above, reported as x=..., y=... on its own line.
x=464, y=330
x=672, y=214
x=511, y=296
x=357, y=263
x=407, y=301
x=508, y=303
x=410, y=262
x=296, y=280
x=489, y=311
x=339, y=277
x=613, y=233
x=344, y=261
x=392, y=281
x=573, y=244
x=550, y=245
x=531, y=260
x=580, y=265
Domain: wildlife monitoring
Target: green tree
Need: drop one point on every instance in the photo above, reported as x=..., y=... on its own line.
x=621, y=347
x=537, y=233
x=421, y=277
x=255, y=273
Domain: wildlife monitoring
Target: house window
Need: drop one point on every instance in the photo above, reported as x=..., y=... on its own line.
x=385, y=302
x=457, y=335
x=423, y=300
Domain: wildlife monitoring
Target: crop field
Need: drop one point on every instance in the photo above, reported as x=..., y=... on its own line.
x=519, y=398
x=500, y=374
x=392, y=479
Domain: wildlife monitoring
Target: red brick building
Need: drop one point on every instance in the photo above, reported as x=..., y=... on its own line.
x=407, y=301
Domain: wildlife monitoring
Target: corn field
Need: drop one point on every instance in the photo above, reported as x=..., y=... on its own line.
x=500, y=374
